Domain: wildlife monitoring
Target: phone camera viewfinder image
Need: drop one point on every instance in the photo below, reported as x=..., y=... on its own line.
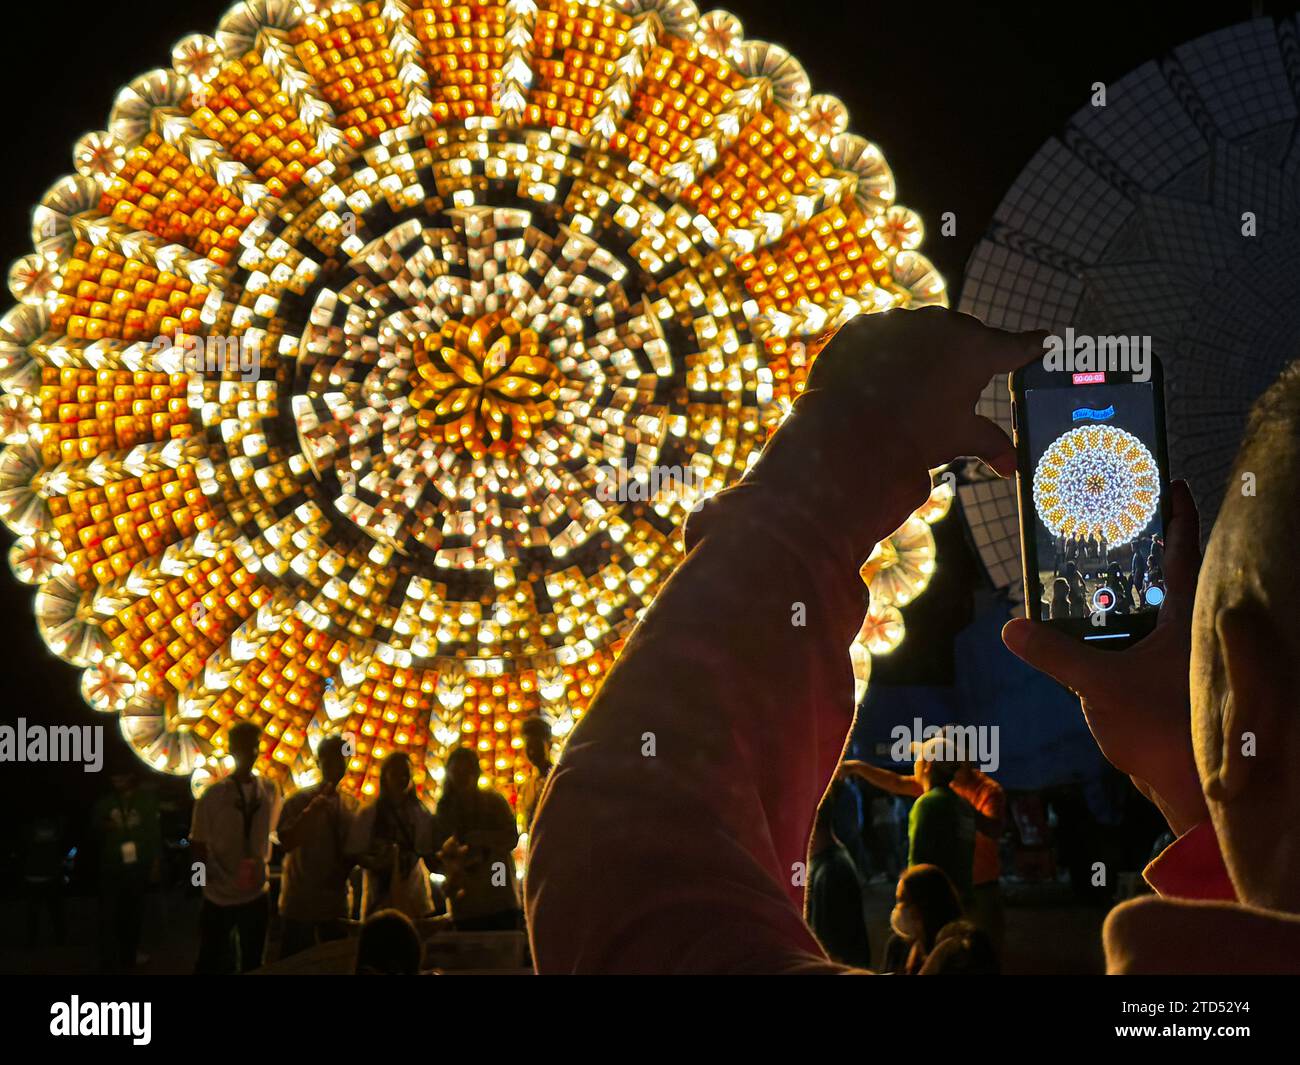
x=1092, y=475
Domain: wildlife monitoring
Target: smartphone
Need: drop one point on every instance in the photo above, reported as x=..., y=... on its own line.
x=1092, y=479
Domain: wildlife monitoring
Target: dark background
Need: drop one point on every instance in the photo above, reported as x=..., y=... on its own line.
x=958, y=99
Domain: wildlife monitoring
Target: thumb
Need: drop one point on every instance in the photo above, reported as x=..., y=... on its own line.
x=986, y=440
x=1053, y=652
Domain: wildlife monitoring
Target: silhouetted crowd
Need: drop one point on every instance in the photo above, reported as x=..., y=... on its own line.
x=387, y=872
x=1085, y=565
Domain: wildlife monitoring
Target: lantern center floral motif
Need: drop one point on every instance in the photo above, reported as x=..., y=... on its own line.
x=483, y=385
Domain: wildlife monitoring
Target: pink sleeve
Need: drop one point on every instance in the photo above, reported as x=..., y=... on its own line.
x=1192, y=868
x=672, y=836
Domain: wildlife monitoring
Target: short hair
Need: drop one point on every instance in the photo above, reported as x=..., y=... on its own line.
x=331, y=742
x=1276, y=411
x=535, y=726
x=464, y=754
x=1270, y=451
x=242, y=732
x=389, y=945
x=931, y=891
x=938, y=751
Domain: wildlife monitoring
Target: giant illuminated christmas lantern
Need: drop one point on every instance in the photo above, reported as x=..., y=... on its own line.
x=346, y=362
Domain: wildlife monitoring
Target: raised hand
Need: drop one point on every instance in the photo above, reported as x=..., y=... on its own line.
x=892, y=397
x=1136, y=701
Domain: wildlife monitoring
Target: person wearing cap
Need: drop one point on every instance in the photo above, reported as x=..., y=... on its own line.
x=988, y=800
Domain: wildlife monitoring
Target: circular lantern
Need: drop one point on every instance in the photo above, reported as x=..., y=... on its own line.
x=366, y=369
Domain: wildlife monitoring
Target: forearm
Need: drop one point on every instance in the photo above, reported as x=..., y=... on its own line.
x=677, y=819
x=291, y=833
x=885, y=779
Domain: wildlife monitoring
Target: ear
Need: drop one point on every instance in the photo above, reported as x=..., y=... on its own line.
x=1256, y=668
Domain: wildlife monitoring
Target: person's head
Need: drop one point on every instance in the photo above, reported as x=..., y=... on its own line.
x=935, y=765
x=389, y=945
x=924, y=902
x=536, y=734
x=962, y=949
x=1245, y=653
x=1071, y=571
x=244, y=739
x=462, y=771
x=395, y=780
x=967, y=770
x=331, y=759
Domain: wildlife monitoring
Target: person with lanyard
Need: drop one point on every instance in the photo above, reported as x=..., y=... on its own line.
x=390, y=839
x=130, y=834
x=231, y=840
x=313, y=831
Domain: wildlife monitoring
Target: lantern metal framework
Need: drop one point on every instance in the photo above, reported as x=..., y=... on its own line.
x=1166, y=211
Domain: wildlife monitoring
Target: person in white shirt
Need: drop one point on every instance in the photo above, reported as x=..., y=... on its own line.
x=231, y=840
x=313, y=830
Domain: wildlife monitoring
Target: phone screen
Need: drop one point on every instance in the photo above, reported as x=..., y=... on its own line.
x=1092, y=472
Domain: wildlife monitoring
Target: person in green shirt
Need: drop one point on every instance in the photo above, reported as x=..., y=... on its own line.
x=130, y=838
x=941, y=826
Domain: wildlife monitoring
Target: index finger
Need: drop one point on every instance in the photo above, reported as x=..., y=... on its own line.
x=1004, y=351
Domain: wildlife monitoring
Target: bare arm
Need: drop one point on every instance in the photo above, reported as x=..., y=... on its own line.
x=1137, y=701
x=903, y=784
x=674, y=830
x=298, y=820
